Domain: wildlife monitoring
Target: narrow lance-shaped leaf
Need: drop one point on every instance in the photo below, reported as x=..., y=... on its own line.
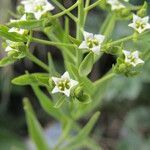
x=60, y=102
x=74, y=142
x=47, y=104
x=86, y=65
x=29, y=79
x=52, y=70
x=11, y=36
x=100, y=89
x=84, y=81
x=29, y=25
x=74, y=40
x=6, y=61
x=34, y=128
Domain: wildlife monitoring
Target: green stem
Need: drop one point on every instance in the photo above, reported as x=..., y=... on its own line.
x=127, y=38
x=37, y=61
x=65, y=11
x=92, y=6
x=110, y=26
x=105, y=23
x=105, y=78
x=121, y=40
x=63, y=8
x=80, y=19
x=135, y=8
x=79, y=25
x=86, y=12
x=51, y=43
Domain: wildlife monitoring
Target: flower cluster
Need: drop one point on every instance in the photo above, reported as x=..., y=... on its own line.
x=37, y=7
x=37, y=11
x=115, y=4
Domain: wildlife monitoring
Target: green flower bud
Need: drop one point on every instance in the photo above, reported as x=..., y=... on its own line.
x=125, y=13
x=135, y=36
x=113, y=50
x=20, y=9
x=103, y=4
x=84, y=99
x=51, y=83
x=78, y=92
x=4, y=44
x=143, y=11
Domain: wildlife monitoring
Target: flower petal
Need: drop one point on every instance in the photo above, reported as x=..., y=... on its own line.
x=66, y=92
x=136, y=18
x=126, y=53
x=55, y=90
x=145, y=19
x=49, y=7
x=83, y=45
x=65, y=75
x=56, y=80
x=139, y=61
x=8, y=48
x=96, y=50
x=73, y=83
x=99, y=37
x=88, y=35
x=135, y=54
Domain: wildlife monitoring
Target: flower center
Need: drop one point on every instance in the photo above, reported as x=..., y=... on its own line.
x=63, y=84
x=39, y=7
x=140, y=24
x=92, y=42
x=132, y=58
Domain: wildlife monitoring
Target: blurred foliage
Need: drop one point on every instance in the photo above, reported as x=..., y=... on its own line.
x=10, y=141
x=136, y=130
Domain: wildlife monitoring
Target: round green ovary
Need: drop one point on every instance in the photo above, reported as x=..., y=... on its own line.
x=140, y=24
x=39, y=8
x=63, y=84
x=132, y=58
x=92, y=42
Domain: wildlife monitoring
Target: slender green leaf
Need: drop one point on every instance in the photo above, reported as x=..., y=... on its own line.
x=84, y=81
x=47, y=104
x=4, y=33
x=29, y=25
x=86, y=65
x=60, y=102
x=74, y=40
x=52, y=70
x=34, y=127
x=83, y=133
x=29, y=79
x=6, y=61
x=85, y=99
x=98, y=94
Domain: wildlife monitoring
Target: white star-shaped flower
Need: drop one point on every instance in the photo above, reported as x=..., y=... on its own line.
x=92, y=42
x=132, y=58
x=11, y=46
x=23, y=18
x=115, y=4
x=37, y=7
x=140, y=24
x=17, y=30
x=64, y=84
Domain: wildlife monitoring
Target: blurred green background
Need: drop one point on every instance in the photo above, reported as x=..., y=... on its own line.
x=124, y=123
